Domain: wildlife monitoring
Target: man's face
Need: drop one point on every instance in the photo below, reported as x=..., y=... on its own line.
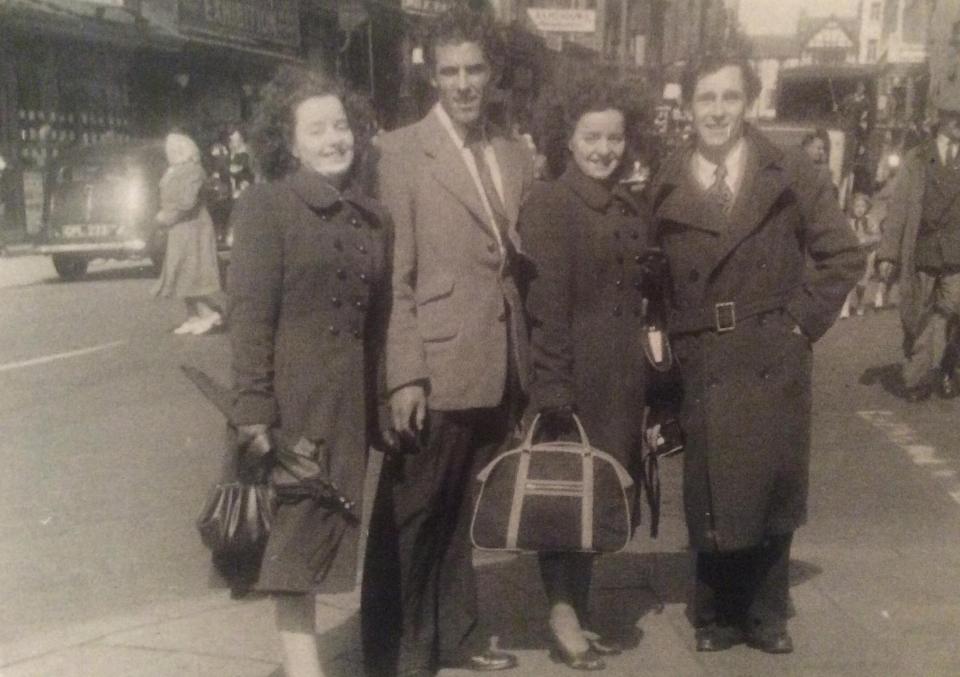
x=718, y=105
x=816, y=151
x=461, y=75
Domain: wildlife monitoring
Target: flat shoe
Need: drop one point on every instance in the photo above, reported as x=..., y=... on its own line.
x=586, y=661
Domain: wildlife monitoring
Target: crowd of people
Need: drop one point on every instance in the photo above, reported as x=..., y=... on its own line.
x=434, y=313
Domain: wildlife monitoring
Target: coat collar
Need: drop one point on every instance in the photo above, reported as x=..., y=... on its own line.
x=320, y=195
x=597, y=195
x=763, y=183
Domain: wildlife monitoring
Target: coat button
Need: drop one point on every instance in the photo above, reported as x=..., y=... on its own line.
x=334, y=330
x=638, y=284
x=617, y=310
x=638, y=259
x=357, y=333
x=341, y=274
x=338, y=245
x=618, y=284
x=359, y=305
x=364, y=278
x=362, y=248
x=354, y=222
x=624, y=211
x=694, y=275
x=635, y=235
x=335, y=300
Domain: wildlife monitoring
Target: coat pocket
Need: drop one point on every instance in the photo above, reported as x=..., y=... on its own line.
x=438, y=318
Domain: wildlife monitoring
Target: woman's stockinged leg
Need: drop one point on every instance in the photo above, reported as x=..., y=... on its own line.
x=295, y=615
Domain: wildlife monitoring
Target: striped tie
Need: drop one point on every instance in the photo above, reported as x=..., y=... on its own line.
x=719, y=191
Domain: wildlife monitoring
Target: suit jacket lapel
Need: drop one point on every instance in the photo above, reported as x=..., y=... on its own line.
x=684, y=201
x=448, y=168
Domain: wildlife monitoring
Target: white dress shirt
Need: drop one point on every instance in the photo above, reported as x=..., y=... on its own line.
x=946, y=148
x=471, y=164
x=705, y=171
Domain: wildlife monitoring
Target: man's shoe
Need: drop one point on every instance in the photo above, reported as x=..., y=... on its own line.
x=715, y=637
x=917, y=393
x=488, y=661
x=948, y=387
x=771, y=642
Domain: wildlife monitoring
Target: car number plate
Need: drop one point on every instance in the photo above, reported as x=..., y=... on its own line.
x=91, y=230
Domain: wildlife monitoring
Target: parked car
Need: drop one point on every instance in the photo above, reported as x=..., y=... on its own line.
x=100, y=202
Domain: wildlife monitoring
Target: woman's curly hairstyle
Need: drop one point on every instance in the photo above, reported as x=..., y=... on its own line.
x=560, y=107
x=273, y=125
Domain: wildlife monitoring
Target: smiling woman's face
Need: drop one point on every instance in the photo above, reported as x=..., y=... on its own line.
x=322, y=138
x=598, y=143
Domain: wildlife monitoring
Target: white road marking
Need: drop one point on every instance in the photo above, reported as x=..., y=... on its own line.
x=58, y=356
x=923, y=455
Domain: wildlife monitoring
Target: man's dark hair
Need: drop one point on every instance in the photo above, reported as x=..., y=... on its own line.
x=710, y=63
x=461, y=24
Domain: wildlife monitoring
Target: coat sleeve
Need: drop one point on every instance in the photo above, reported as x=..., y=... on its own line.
x=180, y=193
x=901, y=201
x=836, y=260
x=406, y=362
x=255, y=289
x=548, y=242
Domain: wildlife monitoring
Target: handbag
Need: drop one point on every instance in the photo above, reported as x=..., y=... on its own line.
x=236, y=518
x=553, y=497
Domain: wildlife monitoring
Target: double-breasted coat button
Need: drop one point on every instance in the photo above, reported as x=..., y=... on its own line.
x=338, y=245
x=364, y=278
x=359, y=305
x=335, y=300
x=624, y=211
x=618, y=284
x=638, y=284
x=617, y=310
x=357, y=333
x=341, y=274
x=334, y=330
x=694, y=275
x=354, y=222
x=362, y=248
x=638, y=258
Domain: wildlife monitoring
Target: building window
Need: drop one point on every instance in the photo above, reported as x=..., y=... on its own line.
x=871, y=50
x=875, y=9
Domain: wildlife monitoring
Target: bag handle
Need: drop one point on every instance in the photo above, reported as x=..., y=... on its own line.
x=584, y=440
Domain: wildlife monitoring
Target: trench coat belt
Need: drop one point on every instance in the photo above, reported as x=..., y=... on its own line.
x=723, y=316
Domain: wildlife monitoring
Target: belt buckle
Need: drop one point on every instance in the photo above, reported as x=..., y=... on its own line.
x=725, y=316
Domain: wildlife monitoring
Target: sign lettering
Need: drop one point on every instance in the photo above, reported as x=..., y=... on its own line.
x=272, y=23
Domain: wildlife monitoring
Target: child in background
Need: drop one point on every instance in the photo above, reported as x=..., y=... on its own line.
x=867, y=231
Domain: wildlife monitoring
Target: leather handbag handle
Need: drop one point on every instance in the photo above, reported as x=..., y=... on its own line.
x=584, y=440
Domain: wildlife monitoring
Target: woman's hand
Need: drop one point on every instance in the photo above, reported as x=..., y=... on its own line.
x=408, y=409
x=254, y=438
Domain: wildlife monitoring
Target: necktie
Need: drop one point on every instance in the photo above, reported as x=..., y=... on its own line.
x=501, y=222
x=719, y=191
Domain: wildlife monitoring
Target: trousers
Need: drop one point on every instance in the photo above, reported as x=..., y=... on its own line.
x=419, y=604
x=745, y=588
x=928, y=348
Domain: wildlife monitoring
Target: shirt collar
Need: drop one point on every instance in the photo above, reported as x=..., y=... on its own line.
x=447, y=124
x=734, y=162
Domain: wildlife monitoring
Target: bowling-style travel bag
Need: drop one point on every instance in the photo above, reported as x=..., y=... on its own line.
x=553, y=497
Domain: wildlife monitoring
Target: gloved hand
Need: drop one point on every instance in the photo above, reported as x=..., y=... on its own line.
x=557, y=422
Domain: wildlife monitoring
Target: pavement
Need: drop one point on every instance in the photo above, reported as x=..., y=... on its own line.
x=875, y=579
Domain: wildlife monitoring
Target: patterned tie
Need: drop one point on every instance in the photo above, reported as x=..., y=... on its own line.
x=502, y=223
x=719, y=191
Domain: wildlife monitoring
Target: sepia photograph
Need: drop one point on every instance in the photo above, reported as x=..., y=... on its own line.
x=426, y=338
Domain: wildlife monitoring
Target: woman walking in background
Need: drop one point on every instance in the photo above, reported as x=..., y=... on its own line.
x=190, y=270
x=307, y=284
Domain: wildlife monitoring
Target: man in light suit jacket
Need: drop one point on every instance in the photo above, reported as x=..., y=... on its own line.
x=456, y=359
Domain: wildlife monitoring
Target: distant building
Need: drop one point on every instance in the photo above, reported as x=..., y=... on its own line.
x=828, y=40
x=769, y=55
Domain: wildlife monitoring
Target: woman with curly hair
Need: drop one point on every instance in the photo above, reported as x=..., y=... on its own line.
x=586, y=235
x=307, y=290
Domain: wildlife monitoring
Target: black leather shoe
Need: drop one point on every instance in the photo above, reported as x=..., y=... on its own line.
x=917, y=393
x=587, y=661
x=488, y=661
x=717, y=638
x=948, y=388
x=771, y=642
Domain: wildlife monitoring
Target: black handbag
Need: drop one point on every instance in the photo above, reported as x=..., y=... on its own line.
x=553, y=497
x=236, y=519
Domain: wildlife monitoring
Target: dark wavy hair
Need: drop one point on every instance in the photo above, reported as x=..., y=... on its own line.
x=461, y=24
x=560, y=107
x=710, y=63
x=273, y=124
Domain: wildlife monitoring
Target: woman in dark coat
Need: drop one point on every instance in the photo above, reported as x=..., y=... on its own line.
x=586, y=236
x=306, y=285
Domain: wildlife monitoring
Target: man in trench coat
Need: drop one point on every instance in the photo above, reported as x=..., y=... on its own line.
x=456, y=359
x=761, y=259
x=921, y=237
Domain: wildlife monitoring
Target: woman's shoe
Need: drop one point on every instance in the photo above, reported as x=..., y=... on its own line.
x=587, y=661
x=208, y=324
x=603, y=646
x=188, y=327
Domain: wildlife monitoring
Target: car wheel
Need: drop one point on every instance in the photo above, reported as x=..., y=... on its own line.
x=70, y=268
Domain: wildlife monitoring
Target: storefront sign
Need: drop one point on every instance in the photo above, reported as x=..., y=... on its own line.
x=551, y=20
x=268, y=23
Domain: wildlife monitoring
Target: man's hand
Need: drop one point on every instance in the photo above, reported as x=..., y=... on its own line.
x=885, y=270
x=408, y=409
